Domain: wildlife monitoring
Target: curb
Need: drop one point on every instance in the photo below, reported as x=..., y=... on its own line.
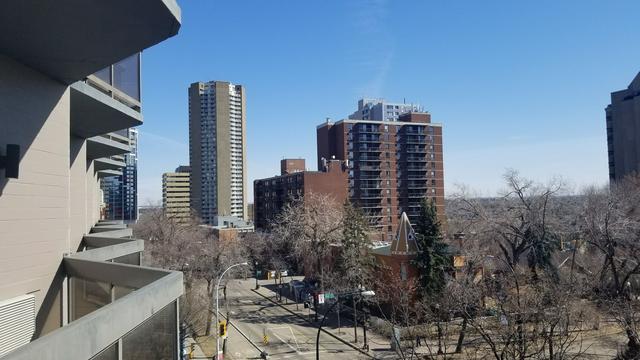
x=323, y=330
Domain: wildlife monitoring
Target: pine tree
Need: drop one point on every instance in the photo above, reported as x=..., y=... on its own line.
x=433, y=260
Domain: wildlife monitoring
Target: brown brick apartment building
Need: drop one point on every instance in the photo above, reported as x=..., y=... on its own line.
x=392, y=165
x=272, y=194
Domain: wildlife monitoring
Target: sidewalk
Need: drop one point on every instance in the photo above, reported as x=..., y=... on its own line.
x=379, y=347
x=197, y=350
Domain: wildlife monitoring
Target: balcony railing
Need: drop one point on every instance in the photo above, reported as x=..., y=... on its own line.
x=121, y=81
x=375, y=149
x=369, y=158
x=374, y=139
x=367, y=129
x=413, y=159
x=369, y=168
x=415, y=149
x=414, y=140
x=114, y=305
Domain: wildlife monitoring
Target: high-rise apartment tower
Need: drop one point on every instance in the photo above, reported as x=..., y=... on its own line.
x=217, y=135
x=623, y=131
x=393, y=165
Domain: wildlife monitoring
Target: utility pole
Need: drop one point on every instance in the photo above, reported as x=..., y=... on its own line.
x=355, y=321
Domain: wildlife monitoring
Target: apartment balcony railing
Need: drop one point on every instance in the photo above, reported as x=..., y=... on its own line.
x=414, y=168
x=370, y=195
x=414, y=149
x=368, y=176
x=369, y=168
x=413, y=159
x=367, y=130
x=121, y=81
x=369, y=158
x=362, y=139
x=370, y=185
x=413, y=132
x=414, y=140
x=114, y=306
x=417, y=194
x=372, y=149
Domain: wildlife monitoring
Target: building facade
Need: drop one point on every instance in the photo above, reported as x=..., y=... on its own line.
x=623, y=131
x=381, y=110
x=392, y=165
x=176, y=200
x=71, y=286
x=121, y=191
x=217, y=150
x=272, y=194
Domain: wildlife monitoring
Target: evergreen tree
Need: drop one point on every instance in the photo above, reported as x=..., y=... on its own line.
x=433, y=260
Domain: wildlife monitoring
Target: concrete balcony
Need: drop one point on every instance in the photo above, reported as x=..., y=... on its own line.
x=95, y=113
x=108, y=164
x=106, y=146
x=69, y=40
x=114, y=305
x=108, y=173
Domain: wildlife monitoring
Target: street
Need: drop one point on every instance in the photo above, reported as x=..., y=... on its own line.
x=288, y=336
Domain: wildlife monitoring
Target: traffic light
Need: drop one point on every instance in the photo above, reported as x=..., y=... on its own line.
x=222, y=328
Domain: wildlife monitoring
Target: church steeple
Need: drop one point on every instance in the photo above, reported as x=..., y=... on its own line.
x=405, y=241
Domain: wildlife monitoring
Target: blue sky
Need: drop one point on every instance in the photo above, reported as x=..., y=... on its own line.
x=515, y=84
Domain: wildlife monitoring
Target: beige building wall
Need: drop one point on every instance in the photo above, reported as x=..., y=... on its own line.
x=54, y=202
x=223, y=150
x=175, y=195
x=34, y=209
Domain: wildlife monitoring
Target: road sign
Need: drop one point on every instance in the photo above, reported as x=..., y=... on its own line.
x=321, y=298
x=329, y=295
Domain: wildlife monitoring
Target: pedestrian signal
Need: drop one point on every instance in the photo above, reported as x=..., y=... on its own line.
x=222, y=328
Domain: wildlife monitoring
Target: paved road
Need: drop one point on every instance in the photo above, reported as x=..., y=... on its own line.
x=289, y=336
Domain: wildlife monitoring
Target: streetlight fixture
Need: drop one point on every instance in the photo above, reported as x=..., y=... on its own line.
x=217, y=319
x=362, y=292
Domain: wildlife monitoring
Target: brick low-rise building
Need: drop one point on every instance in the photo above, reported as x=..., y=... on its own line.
x=392, y=165
x=272, y=194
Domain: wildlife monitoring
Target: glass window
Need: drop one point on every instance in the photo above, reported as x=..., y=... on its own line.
x=88, y=296
x=104, y=75
x=154, y=339
x=126, y=76
x=110, y=353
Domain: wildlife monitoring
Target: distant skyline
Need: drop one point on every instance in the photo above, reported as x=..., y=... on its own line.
x=516, y=85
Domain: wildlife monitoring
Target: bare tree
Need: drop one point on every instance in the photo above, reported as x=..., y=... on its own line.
x=529, y=302
x=312, y=225
x=191, y=248
x=611, y=226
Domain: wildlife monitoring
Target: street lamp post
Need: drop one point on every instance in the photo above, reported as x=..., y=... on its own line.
x=256, y=269
x=217, y=306
x=360, y=292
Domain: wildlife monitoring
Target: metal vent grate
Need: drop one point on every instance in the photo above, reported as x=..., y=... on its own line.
x=17, y=322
